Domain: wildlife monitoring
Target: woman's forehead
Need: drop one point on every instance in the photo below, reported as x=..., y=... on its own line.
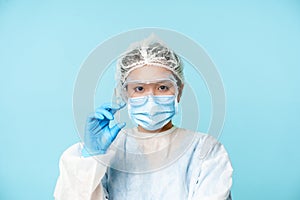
x=149, y=73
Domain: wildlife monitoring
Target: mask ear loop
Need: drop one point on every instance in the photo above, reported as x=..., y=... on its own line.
x=176, y=98
x=176, y=105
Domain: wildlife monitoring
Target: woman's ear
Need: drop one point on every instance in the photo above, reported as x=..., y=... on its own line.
x=180, y=89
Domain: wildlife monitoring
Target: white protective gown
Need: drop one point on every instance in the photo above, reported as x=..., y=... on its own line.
x=175, y=164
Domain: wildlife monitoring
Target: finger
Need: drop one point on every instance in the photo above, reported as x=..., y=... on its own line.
x=97, y=115
x=107, y=106
x=104, y=113
x=97, y=129
x=113, y=107
x=92, y=125
x=116, y=129
x=92, y=121
x=103, y=124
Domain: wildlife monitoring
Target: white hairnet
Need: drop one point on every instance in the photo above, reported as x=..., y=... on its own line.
x=152, y=52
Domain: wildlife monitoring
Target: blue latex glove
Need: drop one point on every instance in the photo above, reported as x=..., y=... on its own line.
x=98, y=135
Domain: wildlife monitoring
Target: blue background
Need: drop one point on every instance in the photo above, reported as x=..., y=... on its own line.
x=255, y=46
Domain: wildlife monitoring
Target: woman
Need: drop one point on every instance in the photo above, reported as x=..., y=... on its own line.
x=155, y=160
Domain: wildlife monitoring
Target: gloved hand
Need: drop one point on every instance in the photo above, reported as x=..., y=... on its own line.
x=98, y=135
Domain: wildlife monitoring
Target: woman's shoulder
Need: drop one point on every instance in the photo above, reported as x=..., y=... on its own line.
x=203, y=144
x=199, y=137
x=73, y=150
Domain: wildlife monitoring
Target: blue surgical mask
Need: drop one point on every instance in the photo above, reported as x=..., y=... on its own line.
x=152, y=112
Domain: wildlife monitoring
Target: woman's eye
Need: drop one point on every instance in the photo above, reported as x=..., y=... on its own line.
x=139, y=89
x=163, y=88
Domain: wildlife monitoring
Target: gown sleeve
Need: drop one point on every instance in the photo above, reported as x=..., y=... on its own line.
x=213, y=176
x=80, y=178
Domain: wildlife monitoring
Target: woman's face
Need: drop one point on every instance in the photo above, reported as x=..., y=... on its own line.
x=150, y=80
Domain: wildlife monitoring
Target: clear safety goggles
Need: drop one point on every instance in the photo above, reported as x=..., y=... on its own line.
x=141, y=88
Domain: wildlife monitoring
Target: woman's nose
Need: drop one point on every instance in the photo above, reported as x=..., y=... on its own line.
x=149, y=91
